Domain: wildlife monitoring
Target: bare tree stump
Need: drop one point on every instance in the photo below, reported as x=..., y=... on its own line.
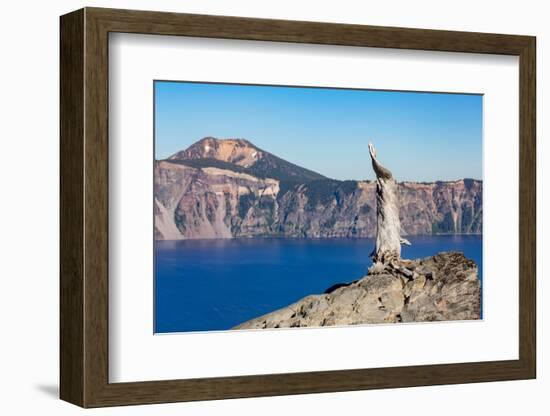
x=388, y=226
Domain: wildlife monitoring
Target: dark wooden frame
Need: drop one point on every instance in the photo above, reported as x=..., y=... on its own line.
x=84, y=207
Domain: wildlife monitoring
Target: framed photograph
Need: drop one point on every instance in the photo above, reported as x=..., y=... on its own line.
x=255, y=207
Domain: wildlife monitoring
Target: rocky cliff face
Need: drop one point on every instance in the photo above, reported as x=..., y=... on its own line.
x=439, y=288
x=211, y=203
x=231, y=188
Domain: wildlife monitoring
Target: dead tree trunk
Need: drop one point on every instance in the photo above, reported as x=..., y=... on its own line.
x=388, y=226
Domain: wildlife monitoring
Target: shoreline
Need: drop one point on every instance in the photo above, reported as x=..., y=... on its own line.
x=275, y=237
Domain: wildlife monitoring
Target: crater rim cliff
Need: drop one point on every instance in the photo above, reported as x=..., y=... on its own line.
x=231, y=188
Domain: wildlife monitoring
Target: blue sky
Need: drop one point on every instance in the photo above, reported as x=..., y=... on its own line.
x=418, y=136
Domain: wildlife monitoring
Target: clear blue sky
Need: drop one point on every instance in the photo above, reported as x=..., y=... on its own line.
x=418, y=136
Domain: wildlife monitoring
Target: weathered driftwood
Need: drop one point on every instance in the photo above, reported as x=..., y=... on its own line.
x=388, y=226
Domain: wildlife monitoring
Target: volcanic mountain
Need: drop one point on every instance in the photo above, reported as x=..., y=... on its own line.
x=228, y=188
x=242, y=156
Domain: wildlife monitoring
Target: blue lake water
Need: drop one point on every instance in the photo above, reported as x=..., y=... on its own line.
x=205, y=285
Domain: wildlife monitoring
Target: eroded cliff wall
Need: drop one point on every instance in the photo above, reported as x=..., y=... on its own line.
x=193, y=201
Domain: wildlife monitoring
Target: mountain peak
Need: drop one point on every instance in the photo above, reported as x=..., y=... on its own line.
x=237, y=141
x=240, y=152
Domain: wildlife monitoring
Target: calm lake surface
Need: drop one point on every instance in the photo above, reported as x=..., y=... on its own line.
x=205, y=285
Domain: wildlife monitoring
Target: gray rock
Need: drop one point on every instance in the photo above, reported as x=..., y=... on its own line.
x=444, y=287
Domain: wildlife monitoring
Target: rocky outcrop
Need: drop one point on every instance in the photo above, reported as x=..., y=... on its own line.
x=440, y=288
x=230, y=188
